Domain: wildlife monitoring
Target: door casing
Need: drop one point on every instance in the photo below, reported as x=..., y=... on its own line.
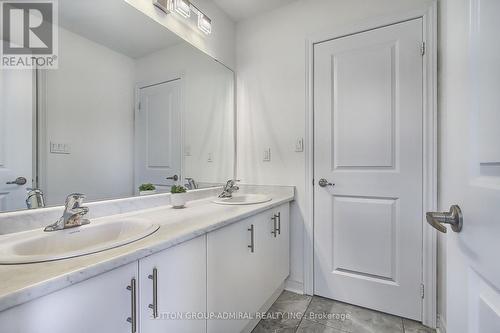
x=428, y=13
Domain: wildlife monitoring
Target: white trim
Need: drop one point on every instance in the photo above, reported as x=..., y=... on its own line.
x=294, y=286
x=428, y=12
x=429, y=250
x=42, y=144
x=441, y=324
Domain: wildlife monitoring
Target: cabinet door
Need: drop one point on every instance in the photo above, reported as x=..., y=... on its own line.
x=99, y=305
x=277, y=254
x=233, y=275
x=282, y=245
x=180, y=274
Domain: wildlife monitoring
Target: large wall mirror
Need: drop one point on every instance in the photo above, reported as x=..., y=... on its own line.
x=130, y=104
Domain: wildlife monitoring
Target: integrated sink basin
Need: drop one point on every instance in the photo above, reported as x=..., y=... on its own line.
x=39, y=246
x=243, y=199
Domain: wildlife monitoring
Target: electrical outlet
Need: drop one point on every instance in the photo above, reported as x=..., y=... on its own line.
x=187, y=150
x=267, y=155
x=210, y=157
x=60, y=148
x=299, y=145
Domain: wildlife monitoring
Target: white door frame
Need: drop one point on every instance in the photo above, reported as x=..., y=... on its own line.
x=428, y=13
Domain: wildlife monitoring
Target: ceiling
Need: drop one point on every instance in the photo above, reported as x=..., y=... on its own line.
x=239, y=10
x=115, y=24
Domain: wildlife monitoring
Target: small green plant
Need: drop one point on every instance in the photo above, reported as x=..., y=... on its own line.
x=147, y=187
x=178, y=189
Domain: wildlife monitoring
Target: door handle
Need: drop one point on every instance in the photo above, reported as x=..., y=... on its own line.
x=19, y=181
x=278, y=216
x=133, y=310
x=454, y=217
x=252, y=239
x=154, y=305
x=174, y=178
x=324, y=183
x=274, y=232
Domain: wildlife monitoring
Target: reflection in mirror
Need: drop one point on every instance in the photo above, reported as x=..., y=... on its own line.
x=130, y=104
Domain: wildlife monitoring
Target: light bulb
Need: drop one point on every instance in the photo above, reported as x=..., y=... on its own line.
x=183, y=8
x=204, y=23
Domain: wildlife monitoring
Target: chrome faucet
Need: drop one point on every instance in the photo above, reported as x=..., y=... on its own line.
x=191, y=184
x=35, y=198
x=73, y=213
x=229, y=189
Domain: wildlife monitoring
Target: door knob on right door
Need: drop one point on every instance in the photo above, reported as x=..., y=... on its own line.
x=324, y=183
x=454, y=217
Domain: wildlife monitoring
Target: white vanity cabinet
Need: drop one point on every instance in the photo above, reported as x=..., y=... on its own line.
x=235, y=269
x=172, y=286
x=243, y=271
x=99, y=304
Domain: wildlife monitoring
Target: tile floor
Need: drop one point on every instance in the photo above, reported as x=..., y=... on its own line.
x=305, y=314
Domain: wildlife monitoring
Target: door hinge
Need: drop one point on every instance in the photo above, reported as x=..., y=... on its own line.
x=422, y=290
x=422, y=48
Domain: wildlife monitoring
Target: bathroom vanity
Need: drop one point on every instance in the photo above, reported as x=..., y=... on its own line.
x=208, y=268
x=131, y=113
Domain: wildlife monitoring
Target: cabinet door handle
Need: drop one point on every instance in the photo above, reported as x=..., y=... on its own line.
x=154, y=306
x=274, y=232
x=278, y=216
x=133, y=310
x=252, y=240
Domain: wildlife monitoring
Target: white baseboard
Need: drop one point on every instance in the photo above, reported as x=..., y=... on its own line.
x=441, y=324
x=294, y=286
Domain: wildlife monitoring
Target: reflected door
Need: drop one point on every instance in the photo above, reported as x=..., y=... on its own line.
x=368, y=142
x=16, y=138
x=158, y=134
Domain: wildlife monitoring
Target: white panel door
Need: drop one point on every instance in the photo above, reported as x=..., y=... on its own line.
x=16, y=139
x=471, y=163
x=158, y=134
x=101, y=304
x=181, y=289
x=368, y=142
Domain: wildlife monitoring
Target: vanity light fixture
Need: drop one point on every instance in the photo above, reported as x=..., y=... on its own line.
x=183, y=8
x=163, y=5
x=204, y=23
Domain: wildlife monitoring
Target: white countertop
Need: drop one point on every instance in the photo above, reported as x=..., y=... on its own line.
x=22, y=283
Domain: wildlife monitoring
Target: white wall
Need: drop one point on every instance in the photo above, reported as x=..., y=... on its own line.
x=208, y=108
x=271, y=68
x=220, y=44
x=89, y=105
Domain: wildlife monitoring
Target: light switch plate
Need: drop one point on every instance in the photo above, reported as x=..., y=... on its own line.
x=60, y=148
x=267, y=155
x=210, y=157
x=299, y=145
x=187, y=150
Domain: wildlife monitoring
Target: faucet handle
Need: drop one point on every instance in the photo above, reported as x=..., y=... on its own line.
x=75, y=200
